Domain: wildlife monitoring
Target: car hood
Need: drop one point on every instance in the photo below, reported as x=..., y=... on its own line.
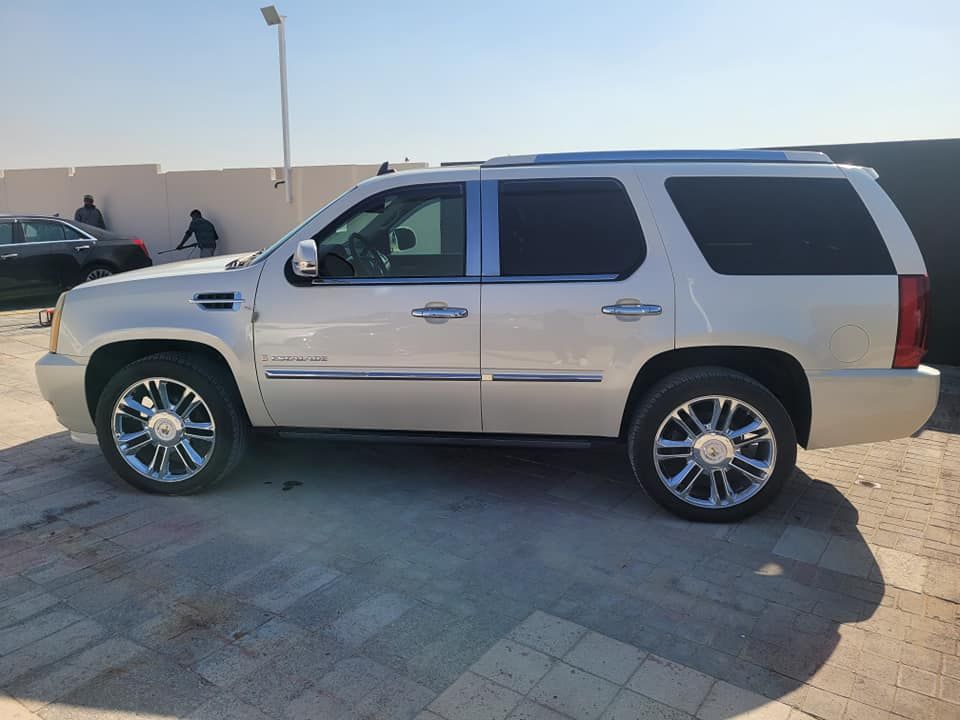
x=183, y=268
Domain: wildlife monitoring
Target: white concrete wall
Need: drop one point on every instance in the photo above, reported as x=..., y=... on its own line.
x=141, y=200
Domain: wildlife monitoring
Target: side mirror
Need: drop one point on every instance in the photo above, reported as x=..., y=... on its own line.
x=304, y=261
x=402, y=238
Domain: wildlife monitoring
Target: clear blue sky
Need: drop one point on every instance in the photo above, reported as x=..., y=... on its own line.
x=195, y=84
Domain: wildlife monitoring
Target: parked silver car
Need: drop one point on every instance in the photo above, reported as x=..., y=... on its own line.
x=709, y=310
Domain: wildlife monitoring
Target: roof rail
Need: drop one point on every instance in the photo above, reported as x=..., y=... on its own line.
x=636, y=156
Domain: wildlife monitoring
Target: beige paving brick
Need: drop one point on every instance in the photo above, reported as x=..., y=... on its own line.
x=606, y=657
x=513, y=665
x=573, y=692
x=473, y=697
x=823, y=704
x=950, y=690
x=859, y=711
x=725, y=701
x=920, y=657
x=917, y=680
x=547, y=633
x=671, y=683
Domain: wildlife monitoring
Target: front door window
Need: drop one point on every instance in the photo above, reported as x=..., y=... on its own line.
x=417, y=232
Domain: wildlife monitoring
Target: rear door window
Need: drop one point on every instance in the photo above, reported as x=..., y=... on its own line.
x=780, y=225
x=577, y=226
x=6, y=232
x=41, y=231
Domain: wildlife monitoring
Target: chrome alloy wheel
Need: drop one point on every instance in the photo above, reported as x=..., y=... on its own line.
x=715, y=452
x=97, y=273
x=163, y=429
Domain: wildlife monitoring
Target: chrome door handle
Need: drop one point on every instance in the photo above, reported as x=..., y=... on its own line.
x=631, y=310
x=442, y=313
x=9, y=256
x=78, y=248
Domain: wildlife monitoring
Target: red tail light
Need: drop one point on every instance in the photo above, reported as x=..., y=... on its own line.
x=912, y=328
x=142, y=245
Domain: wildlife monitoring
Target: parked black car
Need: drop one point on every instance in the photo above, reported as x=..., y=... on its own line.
x=42, y=255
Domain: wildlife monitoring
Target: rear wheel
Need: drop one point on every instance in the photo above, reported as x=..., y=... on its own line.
x=95, y=272
x=712, y=444
x=170, y=423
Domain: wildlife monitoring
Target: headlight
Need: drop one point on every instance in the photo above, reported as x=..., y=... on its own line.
x=55, y=323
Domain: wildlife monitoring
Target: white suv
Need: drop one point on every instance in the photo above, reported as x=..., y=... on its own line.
x=710, y=310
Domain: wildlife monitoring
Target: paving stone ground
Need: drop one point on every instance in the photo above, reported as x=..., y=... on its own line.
x=400, y=582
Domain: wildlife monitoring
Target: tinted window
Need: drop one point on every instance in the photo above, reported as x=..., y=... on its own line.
x=780, y=226
x=41, y=231
x=6, y=233
x=410, y=232
x=568, y=227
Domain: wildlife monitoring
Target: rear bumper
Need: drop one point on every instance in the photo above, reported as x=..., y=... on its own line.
x=858, y=406
x=61, y=380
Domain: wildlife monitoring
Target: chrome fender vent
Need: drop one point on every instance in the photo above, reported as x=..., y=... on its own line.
x=217, y=300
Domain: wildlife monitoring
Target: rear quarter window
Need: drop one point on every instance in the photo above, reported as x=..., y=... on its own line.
x=780, y=226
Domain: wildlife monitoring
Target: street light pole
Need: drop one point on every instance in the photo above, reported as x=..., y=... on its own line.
x=273, y=17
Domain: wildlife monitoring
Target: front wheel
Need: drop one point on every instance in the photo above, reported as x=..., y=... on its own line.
x=170, y=423
x=712, y=444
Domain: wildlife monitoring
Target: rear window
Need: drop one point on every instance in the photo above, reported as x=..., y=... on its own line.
x=780, y=226
x=584, y=226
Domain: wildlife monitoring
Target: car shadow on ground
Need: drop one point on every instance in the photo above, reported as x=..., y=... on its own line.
x=465, y=537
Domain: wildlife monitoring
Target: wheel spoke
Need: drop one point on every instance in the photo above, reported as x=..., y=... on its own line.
x=758, y=469
x=688, y=409
x=183, y=402
x=128, y=403
x=683, y=425
x=734, y=406
x=758, y=437
x=194, y=404
x=129, y=443
x=689, y=486
x=163, y=390
x=154, y=393
x=748, y=428
x=727, y=489
x=714, y=490
x=715, y=416
x=194, y=456
x=164, y=460
x=675, y=481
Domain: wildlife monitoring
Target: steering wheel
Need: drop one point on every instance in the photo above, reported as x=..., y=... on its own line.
x=367, y=260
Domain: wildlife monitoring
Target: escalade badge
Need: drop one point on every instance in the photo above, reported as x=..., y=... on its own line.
x=293, y=358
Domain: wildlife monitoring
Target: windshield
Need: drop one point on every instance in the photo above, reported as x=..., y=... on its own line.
x=262, y=254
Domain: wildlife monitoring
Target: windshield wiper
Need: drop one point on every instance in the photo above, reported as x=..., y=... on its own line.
x=245, y=260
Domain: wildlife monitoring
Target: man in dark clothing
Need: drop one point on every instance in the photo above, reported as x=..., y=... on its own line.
x=205, y=233
x=89, y=213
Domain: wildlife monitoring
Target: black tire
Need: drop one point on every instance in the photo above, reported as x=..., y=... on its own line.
x=220, y=396
x=96, y=268
x=684, y=386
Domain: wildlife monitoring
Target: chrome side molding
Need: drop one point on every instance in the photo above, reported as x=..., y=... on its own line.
x=310, y=374
x=306, y=374
x=545, y=377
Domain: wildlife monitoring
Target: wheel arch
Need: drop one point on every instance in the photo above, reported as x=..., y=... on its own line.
x=107, y=359
x=781, y=373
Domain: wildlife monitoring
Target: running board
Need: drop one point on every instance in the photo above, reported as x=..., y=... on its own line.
x=427, y=438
